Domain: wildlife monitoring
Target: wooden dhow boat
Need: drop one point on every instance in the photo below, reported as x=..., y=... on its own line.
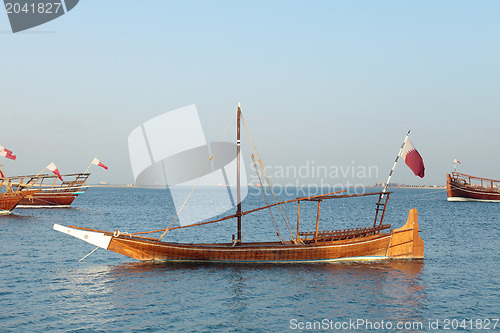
x=50, y=192
x=57, y=195
x=462, y=187
x=11, y=195
x=375, y=242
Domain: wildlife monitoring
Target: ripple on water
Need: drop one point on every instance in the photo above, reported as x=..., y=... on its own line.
x=44, y=288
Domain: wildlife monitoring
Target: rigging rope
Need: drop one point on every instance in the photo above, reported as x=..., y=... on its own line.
x=422, y=194
x=267, y=202
x=89, y=254
x=268, y=180
x=283, y=213
x=199, y=178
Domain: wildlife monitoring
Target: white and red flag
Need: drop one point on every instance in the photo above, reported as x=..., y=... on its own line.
x=413, y=159
x=456, y=161
x=97, y=162
x=1, y=171
x=4, y=152
x=52, y=167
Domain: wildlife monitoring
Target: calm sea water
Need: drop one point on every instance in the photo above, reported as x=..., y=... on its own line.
x=43, y=287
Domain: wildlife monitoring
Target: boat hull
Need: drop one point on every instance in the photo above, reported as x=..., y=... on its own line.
x=55, y=195
x=48, y=200
x=460, y=191
x=10, y=200
x=402, y=243
x=375, y=247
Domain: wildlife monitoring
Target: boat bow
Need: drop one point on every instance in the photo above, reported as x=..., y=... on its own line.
x=95, y=238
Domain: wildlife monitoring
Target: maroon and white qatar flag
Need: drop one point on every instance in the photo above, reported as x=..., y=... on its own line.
x=413, y=159
x=52, y=167
x=4, y=152
x=97, y=162
x=456, y=161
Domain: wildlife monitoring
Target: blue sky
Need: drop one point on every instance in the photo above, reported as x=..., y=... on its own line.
x=336, y=83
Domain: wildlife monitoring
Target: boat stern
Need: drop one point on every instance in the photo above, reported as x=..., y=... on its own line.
x=406, y=243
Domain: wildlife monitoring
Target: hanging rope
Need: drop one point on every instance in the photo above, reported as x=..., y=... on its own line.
x=275, y=224
x=267, y=202
x=89, y=254
x=268, y=180
x=199, y=178
x=285, y=217
x=422, y=194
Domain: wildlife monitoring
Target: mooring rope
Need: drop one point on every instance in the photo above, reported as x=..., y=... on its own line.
x=89, y=254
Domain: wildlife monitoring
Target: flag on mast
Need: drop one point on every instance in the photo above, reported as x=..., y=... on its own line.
x=456, y=161
x=4, y=152
x=52, y=167
x=1, y=171
x=97, y=162
x=413, y=159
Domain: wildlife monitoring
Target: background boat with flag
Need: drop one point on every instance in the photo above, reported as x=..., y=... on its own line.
x=463, y=187
x=374, y=242
x=53, y=193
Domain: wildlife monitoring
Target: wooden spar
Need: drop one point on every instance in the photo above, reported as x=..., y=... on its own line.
x=395, y=162
x=89, y=165
x=298, y=220
x=185, y=226
x=377, y=209
x=328, y=196
x=383, y=211
x=293, y=200
x=317, y=220
x=254, y=210
x=238, y=185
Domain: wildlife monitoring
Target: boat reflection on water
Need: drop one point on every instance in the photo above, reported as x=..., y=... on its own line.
x=401, y=269
x=220, y=297
x=314, y=291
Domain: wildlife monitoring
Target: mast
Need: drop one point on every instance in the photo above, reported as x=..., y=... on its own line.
x=395, y=162
x=238, y=185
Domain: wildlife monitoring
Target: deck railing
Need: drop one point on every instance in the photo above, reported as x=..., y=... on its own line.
x=476, y=181
x=324, y=236
x=19, y=183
